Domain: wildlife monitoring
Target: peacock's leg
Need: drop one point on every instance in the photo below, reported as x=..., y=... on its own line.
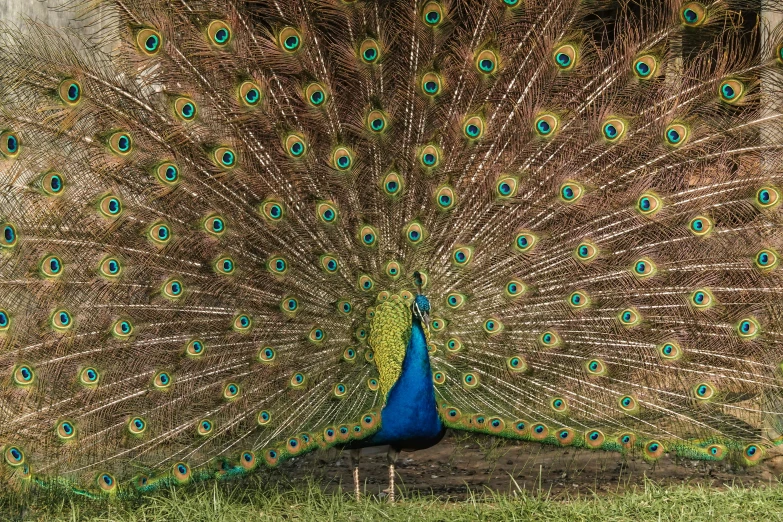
x=391, y=483
x=391, y=456
x=354, y=455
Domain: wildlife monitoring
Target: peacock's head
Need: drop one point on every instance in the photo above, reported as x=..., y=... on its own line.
x=421, y=309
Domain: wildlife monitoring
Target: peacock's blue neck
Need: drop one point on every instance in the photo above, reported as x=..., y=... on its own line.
x=410, y=418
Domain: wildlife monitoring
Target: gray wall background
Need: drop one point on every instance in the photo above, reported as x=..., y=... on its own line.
x=13, y=11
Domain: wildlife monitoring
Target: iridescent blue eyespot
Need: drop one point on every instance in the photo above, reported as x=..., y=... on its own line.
x=148, y=41
x=8, y=238
x=486, y=62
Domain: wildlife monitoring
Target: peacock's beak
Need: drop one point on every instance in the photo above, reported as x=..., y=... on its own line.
x=425, y=319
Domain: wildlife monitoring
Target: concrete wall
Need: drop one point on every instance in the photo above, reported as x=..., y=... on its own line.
x=14, y=11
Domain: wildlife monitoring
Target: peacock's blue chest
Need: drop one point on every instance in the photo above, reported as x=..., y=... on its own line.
x=410, y=418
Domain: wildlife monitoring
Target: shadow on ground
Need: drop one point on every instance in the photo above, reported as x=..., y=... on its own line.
x=461, y=464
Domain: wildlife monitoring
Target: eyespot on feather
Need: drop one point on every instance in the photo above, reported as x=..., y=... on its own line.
x=693, y=14
x=565, y=57
x=249, y=93
x=700, y=226
x=263, y=418
x=148, y=41
x=516, y=364
x=473, y=127
x=676, y=134
x=370, y=51
x=649, y=204
x=272, y=210
x=546, y=125
x=70, y=92
x=224, y=158
x=653, y=450
x=167, y=173
x=106, y=483
x=266, y=354
x=9, y=144
x=242, y=323
x=445, y=198
x=137, y=426
x=315, y=94
x=120, y=143
x=327, y=212
x=578, y=300
x=214, y=225
x=432, y=14
x=173, y=289
x=766, y=260
x=5, y=321
x=368, y=236
x=185, y=108
x=702, y=299
x=571, y=192
x=295, y=145
x=225, y=265
x=289, y=40
x=525, y=241
x=392, y=184
x=613, y=130
x=486, y=62
x=365, y=283
x=429, y=156
x=8, y=237
x=748, y=328
x=493, y=326
x=61, y=320
x=231, y=391
x=586, y=251
x=670, y=351
x=219, y=33
x=289, y=305
x=549, y=339
x=565, y=436
x=646, y=67
x=731, y=91
x=767, y=197
x=89, y=376
x=342, y=159
x=376, y=122
x=122, y=329
x=110, y=207
x=431, y=84
x=539, y=431
x=51, y=267
x=195, y=348
x=23, y=375
x=629, y=317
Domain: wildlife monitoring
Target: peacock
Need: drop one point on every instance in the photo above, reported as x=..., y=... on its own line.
x=237, y=231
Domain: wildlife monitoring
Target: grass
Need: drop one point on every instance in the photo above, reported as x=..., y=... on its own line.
x=258, y=500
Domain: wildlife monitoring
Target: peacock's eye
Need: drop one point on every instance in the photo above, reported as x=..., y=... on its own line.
x=370, y=51
x=295, y=145
x=645, y=66
x=289, y=40
x=249, y=94
x=148, y=41
x=487, y=62
x=219, y=33
x=432, y=14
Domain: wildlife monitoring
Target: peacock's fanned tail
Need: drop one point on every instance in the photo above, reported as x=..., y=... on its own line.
x=196, y=224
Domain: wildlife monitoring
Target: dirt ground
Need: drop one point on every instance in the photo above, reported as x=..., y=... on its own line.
x=461, y=464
